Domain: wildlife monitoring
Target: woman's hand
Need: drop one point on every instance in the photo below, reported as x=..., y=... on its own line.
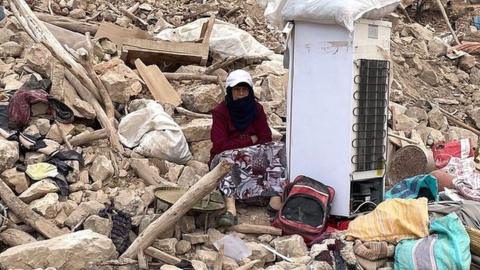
x=254, y=138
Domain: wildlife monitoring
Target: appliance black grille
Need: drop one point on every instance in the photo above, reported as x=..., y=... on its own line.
x=371, y=114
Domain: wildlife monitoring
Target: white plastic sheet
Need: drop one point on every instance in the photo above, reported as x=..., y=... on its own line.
x=226, y=39
x=151, y=132
x=342, y=12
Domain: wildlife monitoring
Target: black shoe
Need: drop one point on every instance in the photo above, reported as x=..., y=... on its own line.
x=227, y=220
x=272, y=213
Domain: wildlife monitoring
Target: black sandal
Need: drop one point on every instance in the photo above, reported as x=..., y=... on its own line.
x=227, y=220
x=272, y=213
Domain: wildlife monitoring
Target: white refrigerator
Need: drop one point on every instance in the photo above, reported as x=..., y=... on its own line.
x=337, y=110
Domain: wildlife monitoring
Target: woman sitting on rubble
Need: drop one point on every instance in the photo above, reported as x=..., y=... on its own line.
x=240, y=135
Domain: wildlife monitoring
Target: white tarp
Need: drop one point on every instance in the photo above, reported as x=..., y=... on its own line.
x=226, y=39
x=342, y=12
x=151, y=132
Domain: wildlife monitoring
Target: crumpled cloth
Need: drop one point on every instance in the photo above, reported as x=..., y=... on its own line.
x=335, y=253
x=392, y=221
x=373, y=255
x=468, y=211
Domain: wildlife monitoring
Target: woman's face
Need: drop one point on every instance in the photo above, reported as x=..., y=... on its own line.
x=239, y=91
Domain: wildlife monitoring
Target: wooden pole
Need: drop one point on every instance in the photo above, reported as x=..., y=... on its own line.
x=256, y=229
x=67, y=23
x=190, y=76
x=21, y=210
x=88, y=137
x=442, y=9
x=203, y=187
x=162, y=256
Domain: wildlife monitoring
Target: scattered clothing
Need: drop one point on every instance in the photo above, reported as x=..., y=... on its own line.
x=225, y=136
x=447, y=247
x=19, y=108
x=41, y=171
x=373, y=255
x=392, y=221
x=414, y=188
x=4, y=116
x=467, y=211
x=336, y=253
x=258, y=171
x=121, y=226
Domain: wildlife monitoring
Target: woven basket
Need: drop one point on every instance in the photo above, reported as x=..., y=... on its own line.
x=474, y=240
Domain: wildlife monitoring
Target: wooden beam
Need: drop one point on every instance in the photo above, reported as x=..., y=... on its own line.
x=88, y=137
x=256, y=229
x=68, y=23
x=162, y=256
x=197, y=192
x=445, y=17
x=27, y=215
x=191, y=76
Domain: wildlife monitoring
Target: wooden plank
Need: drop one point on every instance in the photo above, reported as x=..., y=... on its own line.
x=206, y=38
x=161, y=256
x=161, y=90
x=119, y=34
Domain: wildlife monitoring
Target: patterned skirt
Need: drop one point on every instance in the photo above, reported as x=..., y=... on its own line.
x=258, y=171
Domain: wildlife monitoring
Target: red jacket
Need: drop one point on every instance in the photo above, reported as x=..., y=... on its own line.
x=225, y=136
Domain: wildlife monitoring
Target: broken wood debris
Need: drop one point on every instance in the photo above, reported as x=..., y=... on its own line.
x=161, y=90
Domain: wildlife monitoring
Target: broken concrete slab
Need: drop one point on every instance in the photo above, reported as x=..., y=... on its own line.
x=203, y=98
x=73, y=251
x=98, y=224
x=291, y=246
x=101, y=169
x=8, y=154
x=38, y=190
x=83, y=211
x=46, y=206
x=197, y=130
x=15, y=179
x=129, y=202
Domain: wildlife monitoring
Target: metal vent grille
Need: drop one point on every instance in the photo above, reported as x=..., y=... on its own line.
x=371, y=113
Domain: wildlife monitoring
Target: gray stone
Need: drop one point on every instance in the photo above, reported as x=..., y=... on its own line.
x=182, y=247
x=146, y=220
x=129, y=202
x=475, y=115
x=166, y=245
x=265, y=238
x=475, y=76
x=98, y=224
x=198, y=265
x=187, y=224
x=43, y=125
x=108, y=46
x=260, y=253
x=46, y=206
x=188, y=177
x=8, y=154
x=15, y=179
x=83, y=211
x=197, y=130
x=213, y=236
x=39, y=58
x=436, y=47
x=195, y=238
x=201, y=150
x=6, y=35
x=202, y=98
x=430, y=77
x=11, y=49
x=38, y=190
x=291, y=246
x=73, y=251
x=78, y=13
x=430, y=135
x=467, y=62
x=120, y=81
x=437, y=120
x=404, y=123
x=34, y=158
x=417, y=113
x=101, y=169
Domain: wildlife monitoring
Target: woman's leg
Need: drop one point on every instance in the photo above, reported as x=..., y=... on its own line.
x=230, y=204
